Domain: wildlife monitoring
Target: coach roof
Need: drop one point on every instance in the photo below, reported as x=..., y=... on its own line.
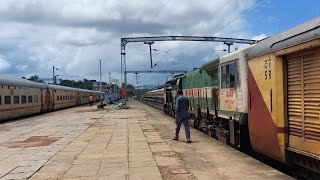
x=11, y=81
x=297, y=35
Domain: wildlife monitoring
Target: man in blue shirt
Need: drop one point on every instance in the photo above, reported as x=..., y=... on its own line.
x=182, y=115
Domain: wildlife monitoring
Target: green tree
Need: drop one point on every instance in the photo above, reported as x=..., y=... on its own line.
x=130, y=90
x=35, y=78
x=130, y=86
x=87, y=84
x=66, y=82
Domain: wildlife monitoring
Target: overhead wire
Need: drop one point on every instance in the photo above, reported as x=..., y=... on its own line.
x=154, y=18
x=34, y=67
x=237, y=17
x=160, y=11
x=210, y=20
x=234, y=19
x=28, y=66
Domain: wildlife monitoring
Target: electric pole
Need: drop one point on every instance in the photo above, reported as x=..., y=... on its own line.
x=53, y=78
x=100, y=82
x=109, y=83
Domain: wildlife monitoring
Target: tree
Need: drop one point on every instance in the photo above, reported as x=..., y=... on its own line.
x=130, y=90
x=67, y=82
x=85, y=84
x=35, y=78
x=130, y=86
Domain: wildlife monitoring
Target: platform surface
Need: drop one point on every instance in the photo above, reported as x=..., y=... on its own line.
x=128, y=144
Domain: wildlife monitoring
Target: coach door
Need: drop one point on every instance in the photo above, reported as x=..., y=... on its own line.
x=303, y=101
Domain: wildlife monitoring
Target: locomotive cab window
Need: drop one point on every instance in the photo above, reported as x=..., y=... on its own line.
x=16, y=99
x=23, y=99
x=229, y=76
x=7, y=100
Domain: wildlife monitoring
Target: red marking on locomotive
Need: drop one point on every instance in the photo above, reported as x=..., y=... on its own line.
x=229, y=94
x=263, y=131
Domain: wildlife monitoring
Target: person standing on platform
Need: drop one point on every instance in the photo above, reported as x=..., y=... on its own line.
x=182, y=115
x=91, y=100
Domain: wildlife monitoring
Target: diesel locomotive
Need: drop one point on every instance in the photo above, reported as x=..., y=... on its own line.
x=265, y=97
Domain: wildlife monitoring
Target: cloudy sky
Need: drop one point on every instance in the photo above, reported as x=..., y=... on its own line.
x=73, y=35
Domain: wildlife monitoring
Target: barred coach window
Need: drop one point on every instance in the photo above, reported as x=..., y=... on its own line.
x=16, y=99
x=7, y=100
x=30, y=99
x=23, y=99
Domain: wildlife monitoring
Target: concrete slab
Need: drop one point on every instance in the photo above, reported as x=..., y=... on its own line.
x=134, y=144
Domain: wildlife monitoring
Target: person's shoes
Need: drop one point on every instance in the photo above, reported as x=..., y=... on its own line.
x=188, y=141
x=175, y=139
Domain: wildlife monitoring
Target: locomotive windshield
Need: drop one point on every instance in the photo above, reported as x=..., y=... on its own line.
x=229, y=76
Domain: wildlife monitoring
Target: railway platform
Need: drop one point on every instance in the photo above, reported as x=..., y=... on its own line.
x=128, y=144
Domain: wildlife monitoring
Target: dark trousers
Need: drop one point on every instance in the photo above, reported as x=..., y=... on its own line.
x=185, y=122
x=91, y=103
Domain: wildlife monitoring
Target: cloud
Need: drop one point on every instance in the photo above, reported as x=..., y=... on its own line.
x=73, y=35
x=4, y=65
x=22, y=67
x=260, y=37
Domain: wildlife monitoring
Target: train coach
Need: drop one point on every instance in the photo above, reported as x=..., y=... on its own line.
x=20, y=97
x=265, y=97
x=155, y=98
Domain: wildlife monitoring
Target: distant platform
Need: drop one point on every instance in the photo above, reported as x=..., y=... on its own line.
x=113, y=143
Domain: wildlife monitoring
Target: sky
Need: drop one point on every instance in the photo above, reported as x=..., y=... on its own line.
x=73, y=35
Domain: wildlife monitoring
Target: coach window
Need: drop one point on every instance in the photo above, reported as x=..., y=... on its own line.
x=35, y=98
x=7, y=100
x=23, y=99
x=60, y=98
x=0, y=100
x=57, y=98
x=30, y=100
x=16, y=99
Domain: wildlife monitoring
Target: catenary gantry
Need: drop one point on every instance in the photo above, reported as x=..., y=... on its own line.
x=151, y=40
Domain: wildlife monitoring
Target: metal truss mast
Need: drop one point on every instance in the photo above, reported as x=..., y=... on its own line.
x=151, y=40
